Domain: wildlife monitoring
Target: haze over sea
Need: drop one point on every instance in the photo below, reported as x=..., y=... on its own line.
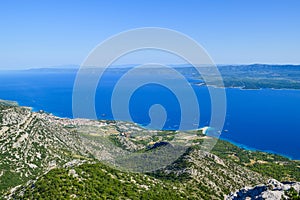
x=264, y=119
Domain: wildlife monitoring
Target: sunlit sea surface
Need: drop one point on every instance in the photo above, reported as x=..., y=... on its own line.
x=264, y=119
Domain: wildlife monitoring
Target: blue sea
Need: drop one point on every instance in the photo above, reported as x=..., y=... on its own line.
x=264, y=119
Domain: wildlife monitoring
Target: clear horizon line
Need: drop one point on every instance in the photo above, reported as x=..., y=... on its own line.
x=74, y=66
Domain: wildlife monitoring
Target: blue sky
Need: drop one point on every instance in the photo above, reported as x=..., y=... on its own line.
x=47, y=33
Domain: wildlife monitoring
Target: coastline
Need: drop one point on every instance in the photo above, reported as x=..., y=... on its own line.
x=244, y=89
x=204, y=129
x=9, y=102
x=247, y=148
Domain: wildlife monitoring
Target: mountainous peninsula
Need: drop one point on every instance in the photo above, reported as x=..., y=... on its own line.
x=46, y=157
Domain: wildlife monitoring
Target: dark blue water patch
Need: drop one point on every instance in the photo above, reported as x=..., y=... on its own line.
x=264, y=119
x=104, y=92
x=148, y=95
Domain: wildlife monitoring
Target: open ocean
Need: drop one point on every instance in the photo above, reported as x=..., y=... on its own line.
x=264, y=119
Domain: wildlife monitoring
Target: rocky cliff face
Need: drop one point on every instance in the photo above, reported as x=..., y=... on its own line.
x=271, y=191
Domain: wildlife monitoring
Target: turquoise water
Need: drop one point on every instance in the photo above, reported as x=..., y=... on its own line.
x=263, y=119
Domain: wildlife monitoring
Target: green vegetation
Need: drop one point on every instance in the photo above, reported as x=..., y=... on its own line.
x=44, y=142
x=292, y=194
x=97, y=181
x=270, y=165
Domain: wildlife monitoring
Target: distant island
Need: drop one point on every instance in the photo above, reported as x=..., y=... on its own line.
x=253, y=76
x=256, y=76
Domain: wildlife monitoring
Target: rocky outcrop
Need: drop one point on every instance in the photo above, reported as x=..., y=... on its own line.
x=271, y=191
x=210, y=174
